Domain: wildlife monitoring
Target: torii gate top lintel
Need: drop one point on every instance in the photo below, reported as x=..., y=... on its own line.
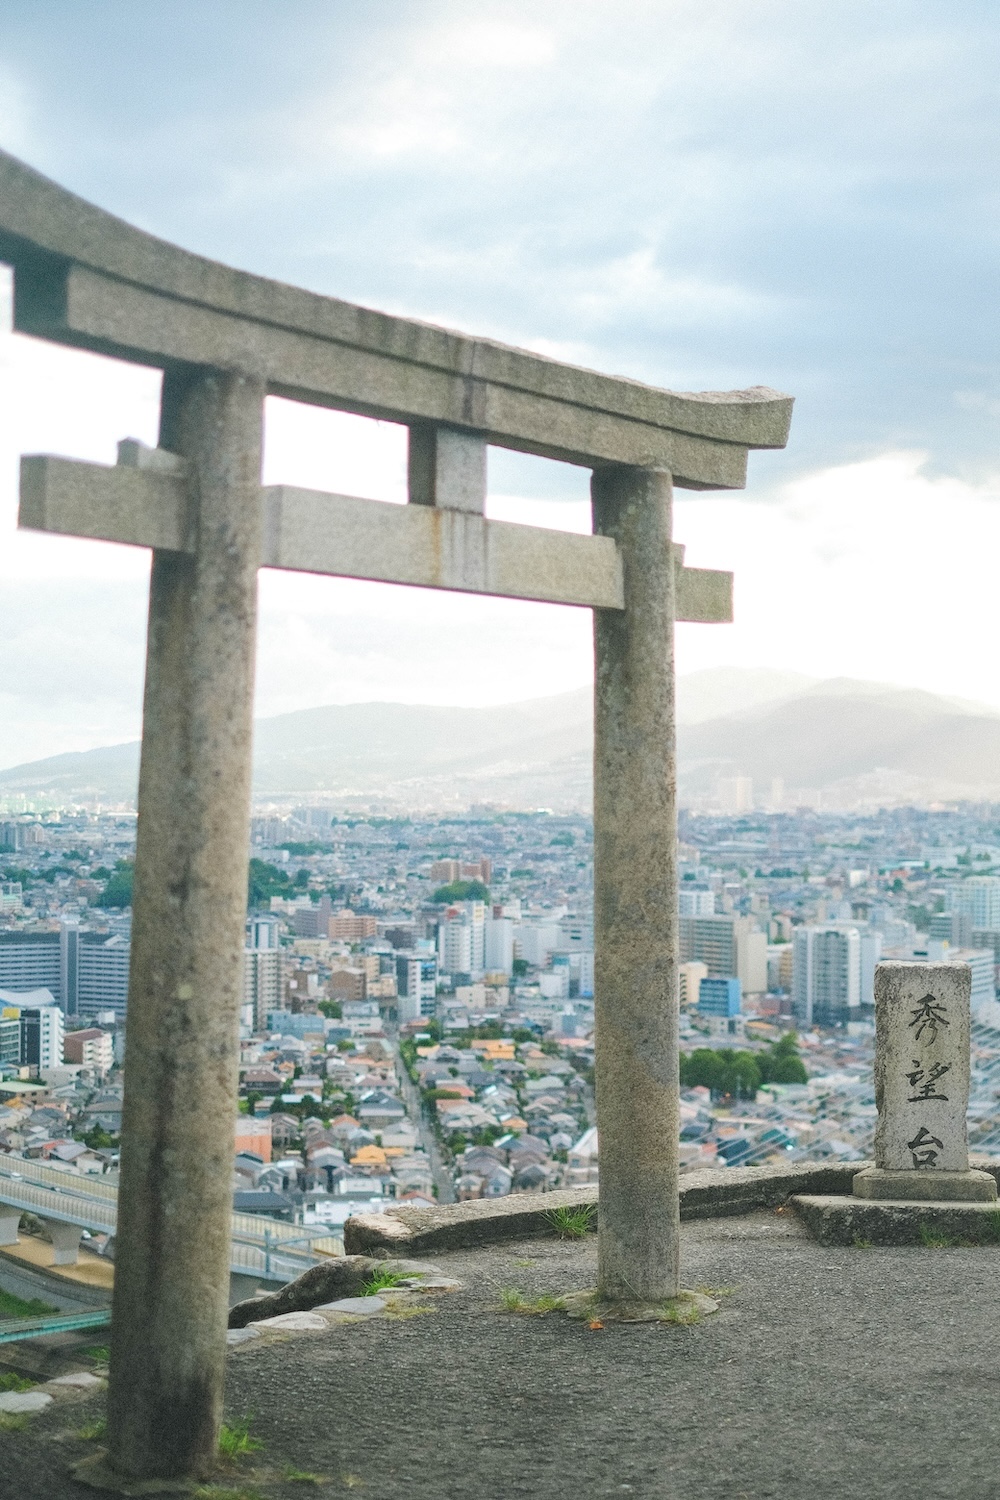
x=86, y=278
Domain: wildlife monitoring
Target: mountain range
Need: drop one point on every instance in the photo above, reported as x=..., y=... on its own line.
x=855, y=743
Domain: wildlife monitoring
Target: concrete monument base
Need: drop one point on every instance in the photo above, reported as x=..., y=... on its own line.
x=925, y=1186
x=866, y=1222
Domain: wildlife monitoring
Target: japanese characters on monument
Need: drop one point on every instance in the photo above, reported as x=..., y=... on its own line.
x=922, y=1068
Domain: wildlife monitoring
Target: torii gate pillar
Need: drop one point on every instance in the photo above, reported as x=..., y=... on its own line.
x=186, y=983
x=635, y=897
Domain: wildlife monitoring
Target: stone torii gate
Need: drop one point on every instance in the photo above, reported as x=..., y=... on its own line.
x=224, y=340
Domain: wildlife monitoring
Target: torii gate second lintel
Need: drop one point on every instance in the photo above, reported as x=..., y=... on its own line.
x=225, y=340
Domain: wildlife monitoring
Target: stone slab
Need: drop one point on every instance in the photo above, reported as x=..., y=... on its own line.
x=242, y=1335
x=703, y=1195
x=360, y=1307
x=925, y=1186
x=81, y=1380
x=837, y=1220
x=293, y=1322
x=16, y=1402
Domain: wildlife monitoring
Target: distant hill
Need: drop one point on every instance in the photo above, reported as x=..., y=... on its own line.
x=853, y=739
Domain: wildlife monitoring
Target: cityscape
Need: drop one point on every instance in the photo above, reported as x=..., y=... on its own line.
x=418, y=993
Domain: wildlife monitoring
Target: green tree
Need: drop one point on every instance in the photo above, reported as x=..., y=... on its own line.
x=332, y=1009
x=118, y=891
x=461, y=890
x=781, y=1063
x=265, y=881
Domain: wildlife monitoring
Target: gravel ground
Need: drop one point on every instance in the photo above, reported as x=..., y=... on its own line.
x=827, y=1373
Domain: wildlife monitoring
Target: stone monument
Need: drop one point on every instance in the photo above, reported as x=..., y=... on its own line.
x=922, y=1087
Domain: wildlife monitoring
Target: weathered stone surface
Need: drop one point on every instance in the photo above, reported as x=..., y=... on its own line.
x=174, y=1224
x=81, y=1380
x=24, y=1401
x=922, y=1066
x=86, y=278
x=145, y=505
x=713, y=1193
x=360, y=1307
x=241, y=1335
x=926, y=1186
x=333, y=1279
x=635, y=896
x=293, y=1322
x=683, y=1308
x=851, y=1221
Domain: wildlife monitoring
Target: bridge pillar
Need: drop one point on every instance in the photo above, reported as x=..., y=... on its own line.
x=10, y=1218
x=65, y=1241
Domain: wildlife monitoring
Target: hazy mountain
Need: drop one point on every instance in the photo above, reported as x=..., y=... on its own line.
x=856, y=740
x=852, y=736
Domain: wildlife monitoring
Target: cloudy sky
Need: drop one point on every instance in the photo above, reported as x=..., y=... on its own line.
x=703, y=194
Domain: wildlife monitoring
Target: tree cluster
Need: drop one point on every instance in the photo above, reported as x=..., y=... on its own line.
x=740, y=1074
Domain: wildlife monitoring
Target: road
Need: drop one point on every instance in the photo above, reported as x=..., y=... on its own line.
x=411, y=1098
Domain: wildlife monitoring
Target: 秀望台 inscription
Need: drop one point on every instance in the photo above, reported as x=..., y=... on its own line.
x=922, y=1086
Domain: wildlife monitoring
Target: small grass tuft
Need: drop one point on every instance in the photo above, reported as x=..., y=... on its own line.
x=572, y=1223
x=93, y=1430
x=13, y=1421
x=303, y=1476
x=684, y=1315
x=862, y=1244
x=12, y=1382
x=236, y=1439
x=351, y=1481
x=715, y=1291
x=382, y=1281
x=413, y=1310
x=514, y=1301
x=101, y=1354
x=221, y=1492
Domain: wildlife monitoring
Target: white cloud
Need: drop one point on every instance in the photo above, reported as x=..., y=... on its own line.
x=875, y=570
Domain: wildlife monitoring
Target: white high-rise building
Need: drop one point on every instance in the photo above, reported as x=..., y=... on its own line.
x=499, y=944
x=694, y=901
x=978, y=898
x=462, y=939
x=827, y=974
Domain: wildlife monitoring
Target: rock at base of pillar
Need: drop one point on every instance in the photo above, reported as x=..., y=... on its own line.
x=96, y=1473
x=925, y=1186
x=867, y=1222
x=685, y=1308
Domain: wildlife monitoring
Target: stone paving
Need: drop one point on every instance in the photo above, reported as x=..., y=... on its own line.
x=826, y=1372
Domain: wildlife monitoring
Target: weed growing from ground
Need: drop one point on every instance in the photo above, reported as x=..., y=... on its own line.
x=572, y=1223
x=514, y=1301
x=11, y=1421
x=12, y=1382
x=303, y=1476
x=382, y=1281
x=93, y=1430
x=101, y=1355
x=414, y=1310
x=219, y=1492
x=683, y=1314
x=236, y=1439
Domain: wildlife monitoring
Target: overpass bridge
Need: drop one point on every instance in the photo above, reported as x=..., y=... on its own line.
x=69, y=1202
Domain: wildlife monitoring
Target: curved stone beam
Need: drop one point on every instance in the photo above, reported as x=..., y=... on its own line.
x=88, y=279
